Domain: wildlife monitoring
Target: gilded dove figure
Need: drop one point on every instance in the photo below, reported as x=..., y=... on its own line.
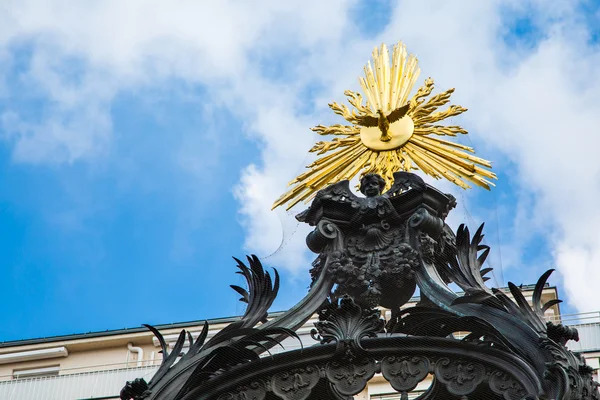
x=383, y=121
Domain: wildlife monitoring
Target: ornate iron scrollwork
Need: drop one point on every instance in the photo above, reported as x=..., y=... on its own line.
x=346, y=323
x=505, y=385
x=460, y=377
x=374, y=251
x=350, y=377
x=252, y=391
x=404, y=373
x=296, y=384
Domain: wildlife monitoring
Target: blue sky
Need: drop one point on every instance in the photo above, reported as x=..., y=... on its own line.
x=137, y=155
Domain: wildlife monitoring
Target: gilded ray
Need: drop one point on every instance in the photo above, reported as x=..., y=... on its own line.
x=390, y=131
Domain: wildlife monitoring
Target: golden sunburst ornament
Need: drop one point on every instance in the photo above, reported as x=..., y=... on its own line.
x=390, y=133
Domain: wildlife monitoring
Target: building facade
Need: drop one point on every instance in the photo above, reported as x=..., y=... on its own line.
x=97, y=365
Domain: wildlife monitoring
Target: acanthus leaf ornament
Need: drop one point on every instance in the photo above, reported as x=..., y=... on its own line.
x=346, y=324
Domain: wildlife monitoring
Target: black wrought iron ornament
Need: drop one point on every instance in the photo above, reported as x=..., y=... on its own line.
x=460, y=377
x=346, y=324
x=296, y=384
x=374, y=251
x=349, y=377
x=252, y=391
x=505, y=385
x=374, y=264
x=405, y=372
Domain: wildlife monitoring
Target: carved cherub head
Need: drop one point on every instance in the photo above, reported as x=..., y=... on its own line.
x=371, y=185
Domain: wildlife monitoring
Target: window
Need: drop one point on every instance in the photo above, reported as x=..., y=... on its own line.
x=36, y=372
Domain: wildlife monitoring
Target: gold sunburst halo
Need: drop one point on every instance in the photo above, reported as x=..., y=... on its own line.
x=390, y=133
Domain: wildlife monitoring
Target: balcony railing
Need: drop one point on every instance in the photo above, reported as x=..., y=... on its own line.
x=77, y=386
x=588, y=326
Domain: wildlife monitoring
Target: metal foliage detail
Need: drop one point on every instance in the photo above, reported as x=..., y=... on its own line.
x=296, y=384
x=466, y=268
x=253, y=391
x=346, y=323
x=350, y=377
x=461, y=378
x=532, y=315
x=404, y=373
x=374, y=251
x=505, y=385
x=428, y=321
x=238, y=343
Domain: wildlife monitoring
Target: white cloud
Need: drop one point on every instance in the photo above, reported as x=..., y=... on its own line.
x=536, y=107
x=83, y=54
x=535, y=104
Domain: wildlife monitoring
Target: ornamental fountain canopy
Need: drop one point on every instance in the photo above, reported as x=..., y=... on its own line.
x=374, y=250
